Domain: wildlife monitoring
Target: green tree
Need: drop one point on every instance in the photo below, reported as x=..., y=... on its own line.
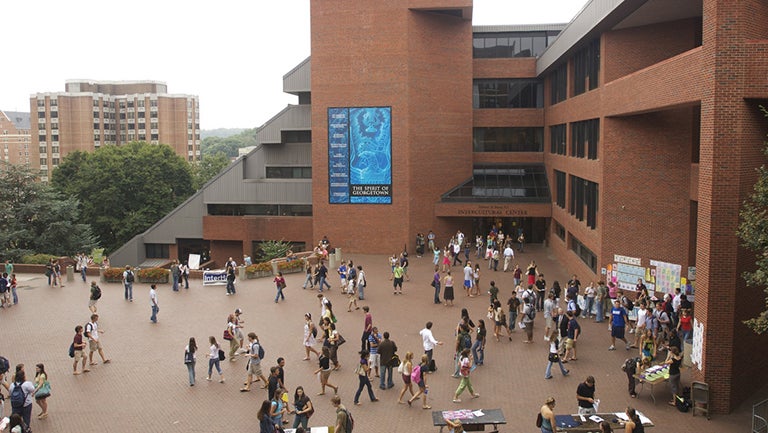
x=123, y=190
x=269, y=250
x=37, y=219
x=207, y=168
x=228, y=145
x=753, y=231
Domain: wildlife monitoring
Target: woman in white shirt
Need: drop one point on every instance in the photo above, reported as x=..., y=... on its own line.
x=213, y=359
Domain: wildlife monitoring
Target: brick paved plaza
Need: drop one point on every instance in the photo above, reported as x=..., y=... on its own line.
x=145, y=386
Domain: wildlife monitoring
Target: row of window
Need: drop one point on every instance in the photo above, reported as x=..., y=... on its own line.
x=585, y=254
x=289, y=172
x=511, y=44
x=260, y=209
x=508, y=139
x=585, y=137
x=507, y=93
x=584, y=197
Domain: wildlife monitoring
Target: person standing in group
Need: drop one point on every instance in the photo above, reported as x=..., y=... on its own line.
x=310, y=334
x=28, y=388
x=436, y=285
x=57, y=273
x=128, y=278
x=302, y=408
x=153, y=303
x=549, y=314
x=373, y=352
x=674, y=359
x=175, y=274
x=367, y=328
x=190, y=359
x=279, y=285
x=463, y=341
x=429, y=342
x=529, y=313
x=601, y=297
x=266, y=423
x=517, y=275
x=554, y=356
x=92, y=331
x=230, y=280
x=447, y=258
x=478, y=348
x=418, y=375
x=214, y=360
x=465, y=366
x=79, y=346
x=43, y=390
x=468, y=279
x=590, y=294
x=532, y=271
x=94, y=296
x=405, y=369
x=363, y=370
x=82, y=264
x=547, y=414
x=514, y=307
x=324, y=370
x=387, y=349
x=585, y=395
x=5, y=292
x=541, y=292
x=448, y=291
x=574, y=330
x=634, y=425
x=397, y=284
x=361, y=283
x=642, y=317
x=239, y=329
x=12, y=287
x=278, y=407
x=184, y=269
x=618, y=322
x=234, y=343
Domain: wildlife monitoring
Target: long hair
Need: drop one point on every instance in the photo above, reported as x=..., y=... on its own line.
x=192, y=345
x=42, y=371
x=264, y=410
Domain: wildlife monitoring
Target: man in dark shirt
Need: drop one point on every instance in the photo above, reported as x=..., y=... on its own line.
x=573, y=332
x=387, y=349
x=541, y=288
x=562, y=325
x=585, y=394
x=274, y=382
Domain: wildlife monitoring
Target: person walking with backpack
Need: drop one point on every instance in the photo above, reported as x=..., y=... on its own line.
x=214, y=357
x=418, y=376
x=128, y=279
x=92, y=331
x=465, y=367
x=463, y=342
x=529, y=313
x=254, y=354
x=78, y=347
x=344, y=422
x=95, y=296
x=21, y=393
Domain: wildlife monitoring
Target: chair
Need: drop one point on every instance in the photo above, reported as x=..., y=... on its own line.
x=700, y=398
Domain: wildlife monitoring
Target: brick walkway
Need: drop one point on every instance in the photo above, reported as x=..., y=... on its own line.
x=145, y=387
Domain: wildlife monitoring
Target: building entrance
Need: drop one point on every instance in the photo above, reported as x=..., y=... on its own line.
x=535, y=229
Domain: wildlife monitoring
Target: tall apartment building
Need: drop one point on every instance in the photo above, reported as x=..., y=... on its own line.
x=15, y=138
x=90, y=114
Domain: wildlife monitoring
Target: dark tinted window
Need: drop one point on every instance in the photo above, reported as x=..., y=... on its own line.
x=511, y=44
x=508, y=93
x=508, y=139
x=557, y=139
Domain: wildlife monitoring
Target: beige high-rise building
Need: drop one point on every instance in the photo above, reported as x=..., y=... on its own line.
x=90, y=114
x=15, y=138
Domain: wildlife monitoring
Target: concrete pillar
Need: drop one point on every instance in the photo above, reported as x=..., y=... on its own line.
x=70, y=274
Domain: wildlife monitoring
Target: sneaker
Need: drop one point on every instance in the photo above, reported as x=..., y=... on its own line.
x=627, y=346
x=612, y=348
x=456, y=400
x=476, y=395
x=548, y=377
x=567, y=372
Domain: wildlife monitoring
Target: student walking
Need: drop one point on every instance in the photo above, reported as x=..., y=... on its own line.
x=190, y=359
x=214, y=357
x=363, y=370
x=78, y=347
x=279, y=285
x=465, y=366
x=153, y=303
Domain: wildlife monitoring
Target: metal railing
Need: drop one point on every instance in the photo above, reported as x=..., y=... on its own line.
x=760, y=417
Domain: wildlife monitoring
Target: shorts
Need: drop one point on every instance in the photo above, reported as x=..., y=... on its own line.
x=406, y=379
x=94, y=345
x=467, y=283
x=570, y=343
x=324, y=375
x=549, y=322
x=374, y=360
x=79, y=355
x=254, y=369
x=398, y=282
x=92, y=302
x=617, y=332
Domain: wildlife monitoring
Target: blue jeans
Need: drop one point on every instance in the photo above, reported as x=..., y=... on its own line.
x=364, y=381
x=323, y=282
x=231, y=287
x=307, y=281
x=301, y=419
x=588, y=309
x=128, y=290
x=82, y=272
x=155, y=309
x=279, y=294
x=600, y=312
x=478, y=353
x=191, y=371
x=175, y=283
x=386, y=371
x=211, y=363
x=512, y=319
x=361, y=292
x=548, y=373
x=15, y=296
x=436, y=285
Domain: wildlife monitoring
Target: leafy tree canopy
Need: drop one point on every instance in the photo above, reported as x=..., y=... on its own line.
x=269, y=250
x=753, y=232
x=207, y=168
x=37, y=219
x=228, y=145
x=123, y=190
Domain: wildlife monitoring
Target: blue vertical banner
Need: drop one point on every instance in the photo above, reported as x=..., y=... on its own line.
x=360, y=156
x=338, y=155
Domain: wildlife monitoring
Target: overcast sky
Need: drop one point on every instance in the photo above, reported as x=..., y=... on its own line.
x=232, y=54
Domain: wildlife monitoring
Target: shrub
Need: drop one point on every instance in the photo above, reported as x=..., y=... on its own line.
x=290, y=265
x=259, y=267
x=113, y=273
x=37, y=259
x=273, y=249
x=155, y=274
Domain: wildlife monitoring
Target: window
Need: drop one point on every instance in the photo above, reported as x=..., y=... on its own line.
x=586, y=68
x=42, y=149
x=560, y=188
x=43, y=161
x=289, y=172
x=584, y=137
x=140, y=103
x=96, y=125
x=54, y=149
x=153, y=137
x=153, y=103
x=54, y=114
x=130, y=103
x=153, y=114
x=157, y=251
x=558, y=82
x=508, y=140
x=557, y=139
x=511, y=44
x=41, y=138
x=295, y=136
x=559, y=230
x=55, y=137
x=55, y=161
x=41, y=102
x=260, y=209
x=584, y=253
x=507, y=93
x=584, y=200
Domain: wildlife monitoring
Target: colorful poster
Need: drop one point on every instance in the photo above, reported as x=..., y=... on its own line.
x=360, y=155
x=667, y=276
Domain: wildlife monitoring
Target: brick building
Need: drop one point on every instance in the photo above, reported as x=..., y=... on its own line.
x=625, y=141
x=15, y=138
x=90, y=114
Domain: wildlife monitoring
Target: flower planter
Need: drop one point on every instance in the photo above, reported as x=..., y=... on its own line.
x=258, y=274
x=292, y=270
x=154, y=280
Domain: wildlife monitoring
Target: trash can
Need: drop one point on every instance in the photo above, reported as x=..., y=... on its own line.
x=70, y=274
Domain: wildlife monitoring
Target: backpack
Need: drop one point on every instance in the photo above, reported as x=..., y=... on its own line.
x=539, y=420
x=129, y=278
x=630, y=365
x=88, y=328
x=261, y=350
x=466, y=341
x=96, y=292
x=72, y=350
x=5, y=365
x=531, y=313
x=627, y=303
x=576, y=309
x=416, y=374
x=18, y=396
x=350, y=421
